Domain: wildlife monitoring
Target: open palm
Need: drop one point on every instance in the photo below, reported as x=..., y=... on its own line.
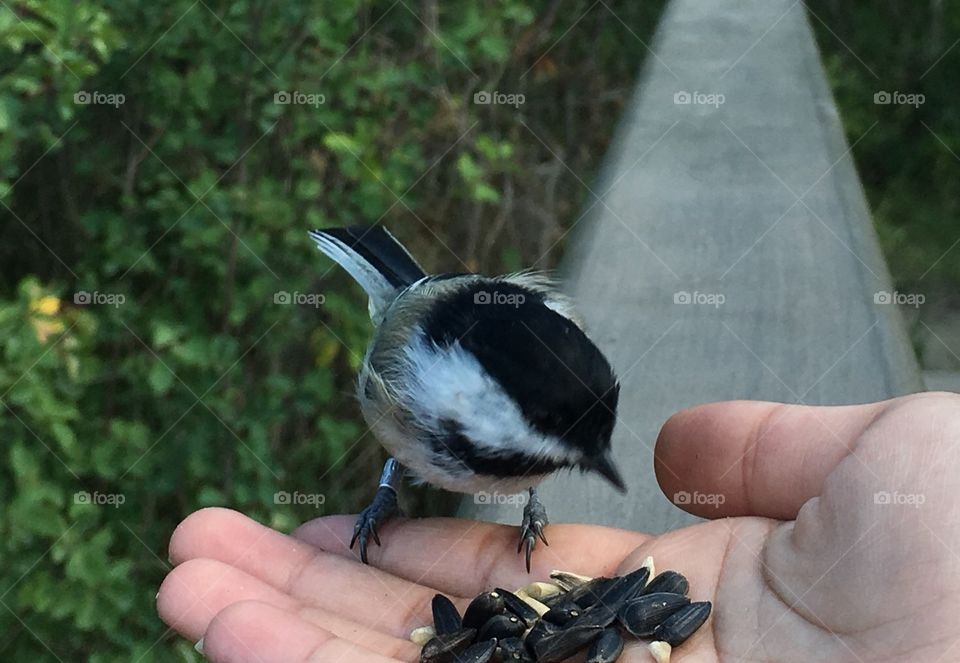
x=835, y=537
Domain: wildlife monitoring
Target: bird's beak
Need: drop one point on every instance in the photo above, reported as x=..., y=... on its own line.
x=605, y=467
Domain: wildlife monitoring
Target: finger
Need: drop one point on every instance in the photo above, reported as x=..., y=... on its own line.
x=194, y=592
x=197, y=590
x=465, y=557
x=252, y=632
x=755, y=458
x=356, y=592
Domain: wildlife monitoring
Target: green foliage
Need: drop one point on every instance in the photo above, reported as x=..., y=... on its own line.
x=907, y=155
x=149, y=365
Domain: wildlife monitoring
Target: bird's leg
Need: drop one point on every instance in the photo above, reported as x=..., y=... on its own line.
x=534, y=520
x=383, y=506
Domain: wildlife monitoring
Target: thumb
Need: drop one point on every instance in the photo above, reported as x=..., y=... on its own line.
x=740, y=458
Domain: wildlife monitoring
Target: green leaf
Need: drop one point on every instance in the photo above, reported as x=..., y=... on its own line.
x=64, y=435
x=159, y=378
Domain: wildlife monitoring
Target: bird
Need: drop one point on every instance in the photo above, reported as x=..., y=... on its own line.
x=472, y=383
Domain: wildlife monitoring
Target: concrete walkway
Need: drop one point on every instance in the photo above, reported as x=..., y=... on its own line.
x=942, y=380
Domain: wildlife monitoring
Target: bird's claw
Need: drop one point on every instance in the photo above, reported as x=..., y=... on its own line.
x=384, y=506
x=534, y=520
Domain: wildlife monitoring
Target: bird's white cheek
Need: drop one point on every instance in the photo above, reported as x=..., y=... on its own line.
x=449, y=384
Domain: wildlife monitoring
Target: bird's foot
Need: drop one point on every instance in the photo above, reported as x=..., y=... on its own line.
x=383, y=507
x=534, y=520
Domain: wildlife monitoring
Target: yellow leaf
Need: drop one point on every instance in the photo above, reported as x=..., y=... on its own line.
x=328, y=350
x=48, y=305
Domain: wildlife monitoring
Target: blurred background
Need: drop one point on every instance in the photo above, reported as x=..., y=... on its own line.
x=171, y=339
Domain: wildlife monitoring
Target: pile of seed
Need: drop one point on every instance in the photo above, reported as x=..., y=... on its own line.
x=549, y=622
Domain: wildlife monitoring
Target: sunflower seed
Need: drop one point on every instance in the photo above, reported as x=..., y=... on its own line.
x=617, y=592
x=563, y=613
x=606, y=648
x=568, y=580
x=556, y=599
x=539, y=631
x=446, y=618
x=480, y=652
x=668, y=581
x=643, y=615
x=443, y=648
x=597, y=615
x=511, y=650
x=556, y=647
x=518, y=607
x=682, y=624
x=583, y=595
x=502, y=626
x=482, y=608
x=423, y=635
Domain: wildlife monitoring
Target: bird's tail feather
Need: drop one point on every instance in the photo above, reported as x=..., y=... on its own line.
x=373, y=257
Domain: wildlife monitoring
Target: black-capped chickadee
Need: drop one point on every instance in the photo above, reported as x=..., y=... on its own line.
x=474, y=383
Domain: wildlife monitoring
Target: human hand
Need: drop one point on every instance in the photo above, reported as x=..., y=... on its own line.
x=837, y=539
